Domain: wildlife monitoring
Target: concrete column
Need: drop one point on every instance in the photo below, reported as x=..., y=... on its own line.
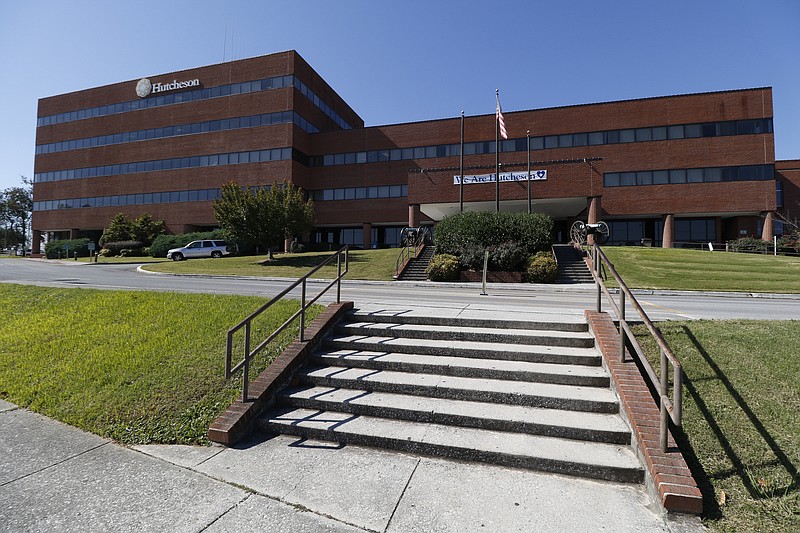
x=594, y=209
x=287, y=244
x=669, y=231
x=367, y=235
x=36, y=242
x=769, y=223
x=413, y=215
x=593, y=215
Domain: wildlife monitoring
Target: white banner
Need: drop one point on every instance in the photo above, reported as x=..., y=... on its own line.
x=536, y=175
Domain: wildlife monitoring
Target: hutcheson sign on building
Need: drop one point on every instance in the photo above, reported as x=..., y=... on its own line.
x=145, y=87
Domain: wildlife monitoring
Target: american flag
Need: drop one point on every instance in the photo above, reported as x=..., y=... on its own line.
x=500, y=120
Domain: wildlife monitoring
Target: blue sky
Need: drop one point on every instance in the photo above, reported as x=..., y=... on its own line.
x=409, y=60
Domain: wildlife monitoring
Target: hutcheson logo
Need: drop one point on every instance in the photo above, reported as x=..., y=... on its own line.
x=144, y=87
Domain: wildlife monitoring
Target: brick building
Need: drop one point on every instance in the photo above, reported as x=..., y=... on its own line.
x=675, y=169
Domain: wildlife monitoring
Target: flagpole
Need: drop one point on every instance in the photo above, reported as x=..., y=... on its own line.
x=528, y=133
x=497, y=152
x=461, y=153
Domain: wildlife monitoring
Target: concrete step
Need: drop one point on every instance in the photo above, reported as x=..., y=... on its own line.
x=553, y=322
x=546, y=395
x=595, y=427
x=588, y=459
x=482, y=350
x=475, y=334
x=586, y=376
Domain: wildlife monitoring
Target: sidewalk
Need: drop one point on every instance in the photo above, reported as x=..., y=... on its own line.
x=54, y=477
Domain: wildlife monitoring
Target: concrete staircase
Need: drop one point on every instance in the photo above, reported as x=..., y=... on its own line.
x=415, y=271
x=510, y=392
x=571, y=266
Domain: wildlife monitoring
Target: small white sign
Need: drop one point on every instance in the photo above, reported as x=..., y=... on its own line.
x=536, y=175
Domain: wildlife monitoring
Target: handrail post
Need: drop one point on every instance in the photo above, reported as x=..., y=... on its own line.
x=338, y=277
x=246, y=373
x=663, y=401
x=303, y=311
x=596, y=255
x=677, y=400
x=622, y=332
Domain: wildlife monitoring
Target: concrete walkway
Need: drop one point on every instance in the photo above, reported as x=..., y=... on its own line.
x=54, y=477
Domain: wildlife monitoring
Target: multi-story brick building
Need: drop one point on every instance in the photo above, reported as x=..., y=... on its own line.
x=688, y=168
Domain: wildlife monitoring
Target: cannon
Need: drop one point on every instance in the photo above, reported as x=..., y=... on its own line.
x=581, y=230
x=415, y=236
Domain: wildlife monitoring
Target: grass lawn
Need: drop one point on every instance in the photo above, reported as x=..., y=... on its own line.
x=680, y=269
x=741, y=424
x=139, y=367
x=364, y=264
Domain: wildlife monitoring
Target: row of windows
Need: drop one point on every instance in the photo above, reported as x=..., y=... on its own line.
x=317, y=101
x=276, y=82
x=658, y=133
x=234, y=158
x=253, y=121
x=631, y=232
x=198, y=195
x=689, y=175
x=360, y=193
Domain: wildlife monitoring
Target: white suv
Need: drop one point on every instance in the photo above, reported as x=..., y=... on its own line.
x=213, y=249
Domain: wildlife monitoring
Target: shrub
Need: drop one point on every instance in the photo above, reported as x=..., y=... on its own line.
x=443, y=267
x=510, y=237
x=542, y=268
x=297, y=248
x=58, y=249
x=789, y=243
x=131, y=248
x=470, y=258
x=748, y=244
x=508, y=256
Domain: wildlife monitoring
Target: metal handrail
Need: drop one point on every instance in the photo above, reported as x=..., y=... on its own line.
x=248, y=354
x=671, y=409
x=406, y=255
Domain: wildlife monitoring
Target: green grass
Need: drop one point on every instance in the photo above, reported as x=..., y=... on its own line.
x=679, y=269
x=138, y=367
x=741, y=424
x=364, y=264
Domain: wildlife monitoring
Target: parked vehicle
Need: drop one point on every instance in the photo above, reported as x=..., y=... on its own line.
x=215, y=249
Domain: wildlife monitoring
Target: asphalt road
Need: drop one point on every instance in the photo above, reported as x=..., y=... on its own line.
x=660, y=305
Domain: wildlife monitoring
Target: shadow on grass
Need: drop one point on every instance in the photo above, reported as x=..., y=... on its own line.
x=305, y=261
x=741, y=467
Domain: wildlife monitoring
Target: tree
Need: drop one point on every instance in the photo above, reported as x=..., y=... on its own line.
x=16, y=207
x=144, y=229
x=263, y=217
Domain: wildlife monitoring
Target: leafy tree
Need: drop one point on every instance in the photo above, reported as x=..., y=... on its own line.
x=16, y=207
x=144, y=229
x=119, y=229
x=263, y=217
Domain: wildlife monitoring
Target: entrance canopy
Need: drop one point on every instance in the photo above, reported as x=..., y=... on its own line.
x=556, y=208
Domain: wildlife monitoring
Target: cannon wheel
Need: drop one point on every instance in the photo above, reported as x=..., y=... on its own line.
x=603, y=233
x=578, y=232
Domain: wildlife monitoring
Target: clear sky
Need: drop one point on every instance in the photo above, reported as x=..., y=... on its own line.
x=409, y=60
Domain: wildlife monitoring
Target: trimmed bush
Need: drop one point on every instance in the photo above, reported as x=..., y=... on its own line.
x=57, y=250
x=490, y=230
x=748, y=244
x=542, y=268
x=443, y=267
x=123, y=248
x=508, y=256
